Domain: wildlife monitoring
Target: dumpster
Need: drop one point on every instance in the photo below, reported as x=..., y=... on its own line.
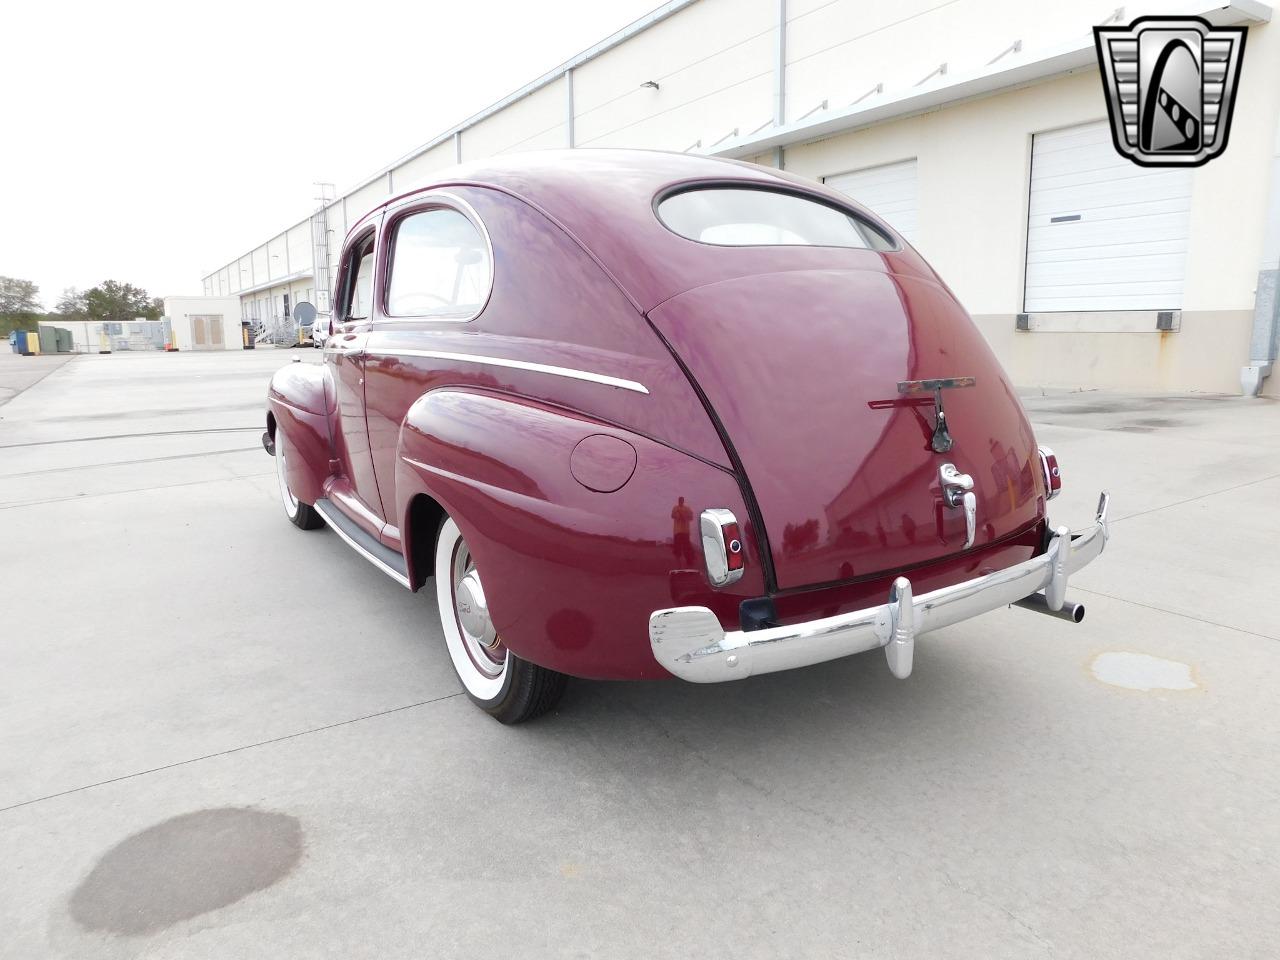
x=65, y=342
x=48, y=339
x=27, y=343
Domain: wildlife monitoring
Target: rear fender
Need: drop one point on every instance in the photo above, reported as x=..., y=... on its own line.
x=571, y=573
x=299, y=401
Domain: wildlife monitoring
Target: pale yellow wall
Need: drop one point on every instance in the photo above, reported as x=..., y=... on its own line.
x=1228, y=202
x=1204, y=355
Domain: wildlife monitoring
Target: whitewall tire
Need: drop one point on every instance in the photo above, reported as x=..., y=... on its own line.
x=300, y=514
x=500, y=683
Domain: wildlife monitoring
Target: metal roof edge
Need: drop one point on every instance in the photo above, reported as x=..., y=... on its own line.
x=952, y=88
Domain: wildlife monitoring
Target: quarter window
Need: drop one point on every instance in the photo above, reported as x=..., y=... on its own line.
x=439, y=266
x=738, y=217
x=355, y=298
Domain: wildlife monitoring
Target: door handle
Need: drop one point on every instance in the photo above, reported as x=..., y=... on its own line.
x=957, y=491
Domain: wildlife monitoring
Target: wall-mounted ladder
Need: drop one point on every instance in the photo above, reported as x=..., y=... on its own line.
x=320, y=246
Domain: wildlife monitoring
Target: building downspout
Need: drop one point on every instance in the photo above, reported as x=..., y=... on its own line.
x=1266, y=303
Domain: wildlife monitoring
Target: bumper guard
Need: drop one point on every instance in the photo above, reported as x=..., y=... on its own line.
x=690, y=643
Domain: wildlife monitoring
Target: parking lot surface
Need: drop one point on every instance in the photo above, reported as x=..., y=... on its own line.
x=221, y=736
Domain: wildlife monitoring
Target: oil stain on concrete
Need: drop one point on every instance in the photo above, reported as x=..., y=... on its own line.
x=185, y=866
x=1141, y=671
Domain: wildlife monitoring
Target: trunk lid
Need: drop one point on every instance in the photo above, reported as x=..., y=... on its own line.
x=802, y=369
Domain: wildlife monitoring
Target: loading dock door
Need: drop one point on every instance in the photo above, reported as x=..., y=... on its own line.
x=889, y=191
x=1103, y=233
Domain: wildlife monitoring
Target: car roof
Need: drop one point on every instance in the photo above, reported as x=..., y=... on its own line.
x=604, y=198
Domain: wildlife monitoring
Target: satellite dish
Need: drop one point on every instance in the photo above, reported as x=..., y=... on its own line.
x=304, y=313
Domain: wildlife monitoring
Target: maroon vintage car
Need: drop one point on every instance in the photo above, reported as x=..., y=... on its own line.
x=640, y=414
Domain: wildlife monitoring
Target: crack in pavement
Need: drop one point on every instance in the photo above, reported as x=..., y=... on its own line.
x=127, y=463
x=18, y=391
x=113, y=493
x=1175, y=613
x=1211, y=493
x=129, y=436
x=230, y=750
x=1022, y=924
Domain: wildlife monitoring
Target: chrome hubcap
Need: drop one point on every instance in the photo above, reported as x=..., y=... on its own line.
x=473, y=612
x=471, y=609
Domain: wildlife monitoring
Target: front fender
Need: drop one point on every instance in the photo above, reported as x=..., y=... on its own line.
x=299, y=403
x=571, y=573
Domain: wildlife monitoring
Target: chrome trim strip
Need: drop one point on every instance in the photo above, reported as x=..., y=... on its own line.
x=690, y=643
x=569, y=372
x=391, y=572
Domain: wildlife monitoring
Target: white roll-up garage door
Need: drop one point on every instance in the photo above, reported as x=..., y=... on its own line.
x=1102, y=232
x=889, y=191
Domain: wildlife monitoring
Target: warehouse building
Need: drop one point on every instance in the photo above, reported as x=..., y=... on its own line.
x=977, y=127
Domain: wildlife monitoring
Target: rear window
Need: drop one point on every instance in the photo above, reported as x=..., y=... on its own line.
x=736, y=217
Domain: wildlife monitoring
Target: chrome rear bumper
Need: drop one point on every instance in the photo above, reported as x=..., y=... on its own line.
x=690, y=643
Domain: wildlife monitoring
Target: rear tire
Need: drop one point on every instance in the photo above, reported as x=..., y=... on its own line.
x=301, y=515
x=507, y=688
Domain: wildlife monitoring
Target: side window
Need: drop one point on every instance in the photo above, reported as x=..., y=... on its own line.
x=439, y=266
x=355, y=298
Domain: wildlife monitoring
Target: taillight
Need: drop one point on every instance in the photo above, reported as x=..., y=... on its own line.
x=1052, y=476
x=722, y=546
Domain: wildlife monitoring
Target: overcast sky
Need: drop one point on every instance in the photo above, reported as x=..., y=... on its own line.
x=151, y=143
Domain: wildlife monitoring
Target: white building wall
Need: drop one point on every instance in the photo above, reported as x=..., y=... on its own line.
x=974, y=168
x=298, y=247
x=535, y=122
x=420, y=169
x=260, y=260
x=365, y=199
x=714, y=64
x=179, y=310
x=242, y=273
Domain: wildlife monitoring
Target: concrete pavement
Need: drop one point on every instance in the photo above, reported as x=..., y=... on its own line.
x=221, y=736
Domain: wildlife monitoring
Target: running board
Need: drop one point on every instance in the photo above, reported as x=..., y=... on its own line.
x=379, y=554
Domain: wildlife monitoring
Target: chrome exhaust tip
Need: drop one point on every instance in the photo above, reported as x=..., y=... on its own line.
x=1070, y=610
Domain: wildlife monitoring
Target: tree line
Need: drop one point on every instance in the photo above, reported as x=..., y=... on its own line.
x=108, y=302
